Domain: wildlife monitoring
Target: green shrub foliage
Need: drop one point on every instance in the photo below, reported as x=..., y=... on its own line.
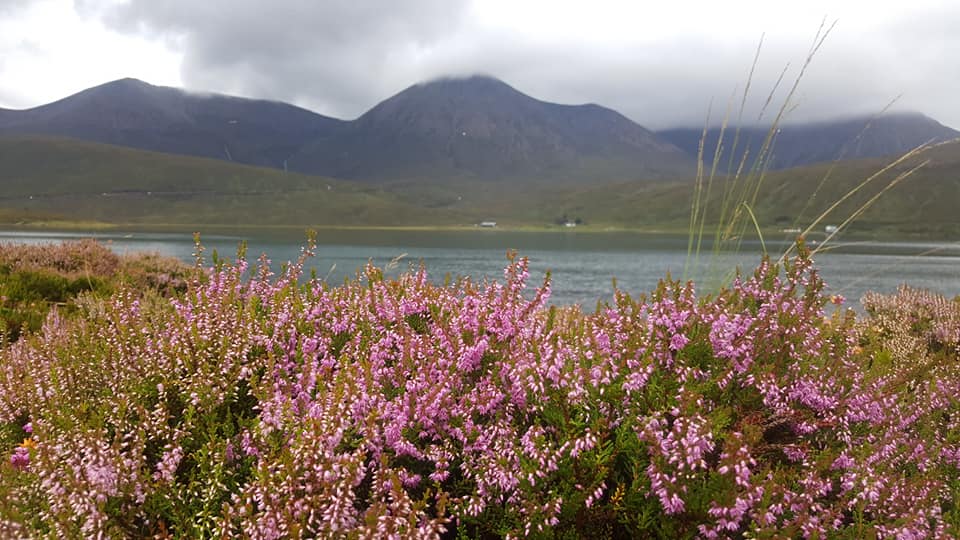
x=270, y=407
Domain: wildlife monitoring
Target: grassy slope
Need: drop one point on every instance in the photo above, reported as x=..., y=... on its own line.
x=68, y=179
x=924, y=204
x=61, y=179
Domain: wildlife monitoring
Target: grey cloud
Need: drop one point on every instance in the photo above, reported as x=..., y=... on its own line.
x=9, y=6
x=341, y=57
x=335, y=56
x=922, y=61
x=674, y=83
x=11, y=99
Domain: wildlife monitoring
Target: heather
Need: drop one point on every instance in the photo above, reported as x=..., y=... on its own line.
x=35, y=277
x=262, y=405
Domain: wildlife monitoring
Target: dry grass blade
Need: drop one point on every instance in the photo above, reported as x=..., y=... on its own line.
x=869, y=203
x=840, y=157
x=872, y=275
x=395, y=262
x=763, y=158
x=905, y=157
x=697, y=189
x=742, y=188
x=756, y=225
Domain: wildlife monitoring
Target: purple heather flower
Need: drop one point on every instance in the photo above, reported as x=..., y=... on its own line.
x=20, y=458
x=678, y=341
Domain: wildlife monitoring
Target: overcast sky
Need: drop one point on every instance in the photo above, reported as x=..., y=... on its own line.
x=660, y=63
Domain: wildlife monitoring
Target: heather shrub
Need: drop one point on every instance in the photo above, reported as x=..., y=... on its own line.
x=34, y=277
x=81, y=257
x=167, y=276
x=268, y=407
x=913, y=329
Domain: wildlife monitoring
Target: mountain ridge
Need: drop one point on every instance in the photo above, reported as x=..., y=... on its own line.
x=132, y=113
x=474, y=128
x=852, y=137
x=480, y=127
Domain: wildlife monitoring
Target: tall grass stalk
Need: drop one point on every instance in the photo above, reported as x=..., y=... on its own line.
x=745, y=175
x=740, y=188
x=903, y=158
x=737, y=226
x=692, y=240
x=696, y=215
x=869, y=203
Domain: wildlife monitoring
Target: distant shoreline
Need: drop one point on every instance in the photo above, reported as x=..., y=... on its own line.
x=298, y=230
x=54, y=225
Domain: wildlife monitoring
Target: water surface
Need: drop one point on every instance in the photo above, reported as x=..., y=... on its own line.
x=583, y=265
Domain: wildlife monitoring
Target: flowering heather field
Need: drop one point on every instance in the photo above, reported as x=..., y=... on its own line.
x=263, y=407
x=34, y=277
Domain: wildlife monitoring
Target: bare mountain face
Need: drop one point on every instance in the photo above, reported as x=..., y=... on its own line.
x=135, y=114
x=473, y=129
x=481, y=128
x=803, y=144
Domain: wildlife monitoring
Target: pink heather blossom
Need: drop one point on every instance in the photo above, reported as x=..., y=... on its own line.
x=678, y=341
x=20, y=459
x=397, y=408
x=168, y=464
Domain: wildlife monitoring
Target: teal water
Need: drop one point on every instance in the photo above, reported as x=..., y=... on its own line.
x=583, y=265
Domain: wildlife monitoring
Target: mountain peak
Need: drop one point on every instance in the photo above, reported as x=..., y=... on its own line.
x=469, y=87
x=478, y=126
x=914, y=117
x=476, y=79
x=131, y=112
x=126, y=83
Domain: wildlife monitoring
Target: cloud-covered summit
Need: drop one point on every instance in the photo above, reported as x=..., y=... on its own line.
x=335, y=56
x=661, y=64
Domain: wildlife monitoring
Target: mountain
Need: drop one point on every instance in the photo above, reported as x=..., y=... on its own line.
x=481, y=128
x=454, y=131
x=804, y=144
x=471, y=128
x=132, y=113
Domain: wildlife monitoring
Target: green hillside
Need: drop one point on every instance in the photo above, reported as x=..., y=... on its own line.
x=44, y=179
x=923, y=205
